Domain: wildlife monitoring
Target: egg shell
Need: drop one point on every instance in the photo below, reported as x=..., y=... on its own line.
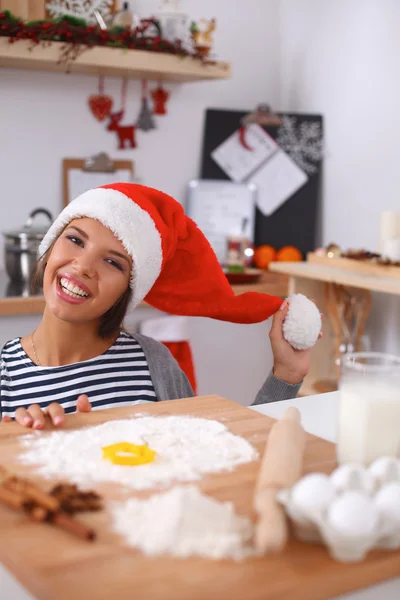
x=387, y=501
x=345, y=549
x=303, y=528
x=385, y=469
x=312, y=494
x=350, y=522
x=352, y=477
x=353, y=514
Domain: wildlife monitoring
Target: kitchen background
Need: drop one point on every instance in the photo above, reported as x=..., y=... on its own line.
x=338, y=59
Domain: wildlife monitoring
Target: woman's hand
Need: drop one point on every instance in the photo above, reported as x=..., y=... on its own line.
x=36, y=417
x=290, y=365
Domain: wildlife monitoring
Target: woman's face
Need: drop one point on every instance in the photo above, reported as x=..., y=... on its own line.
x=87, y=271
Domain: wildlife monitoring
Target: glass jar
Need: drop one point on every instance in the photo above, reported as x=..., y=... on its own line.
x=369, y=412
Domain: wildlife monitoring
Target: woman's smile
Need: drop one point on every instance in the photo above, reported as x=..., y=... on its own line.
x=71, y=289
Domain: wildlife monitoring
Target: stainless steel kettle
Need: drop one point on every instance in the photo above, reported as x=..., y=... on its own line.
x=22, y=246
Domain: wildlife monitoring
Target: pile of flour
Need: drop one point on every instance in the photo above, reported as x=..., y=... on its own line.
x=187, y=448
x=184, y=522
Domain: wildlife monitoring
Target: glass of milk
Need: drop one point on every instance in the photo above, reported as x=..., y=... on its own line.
x=369, y=412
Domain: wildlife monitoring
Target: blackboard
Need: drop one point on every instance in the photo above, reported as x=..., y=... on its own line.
x=296, y=222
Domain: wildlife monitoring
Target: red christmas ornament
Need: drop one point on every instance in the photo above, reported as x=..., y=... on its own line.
x=100, y=104
x=125, y=133
x=160, y=97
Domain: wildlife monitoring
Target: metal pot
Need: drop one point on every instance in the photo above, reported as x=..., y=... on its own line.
x=22, y=246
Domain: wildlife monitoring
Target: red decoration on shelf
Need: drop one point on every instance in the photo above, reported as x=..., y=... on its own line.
x=100, y=104
x=125, y=133
x=160, y=97
x=77, y=36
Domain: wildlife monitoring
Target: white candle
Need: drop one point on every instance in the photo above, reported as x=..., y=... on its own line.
x=389, y=227
x=391, y=249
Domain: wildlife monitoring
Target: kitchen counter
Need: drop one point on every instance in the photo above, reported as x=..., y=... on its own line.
x=319, y=418
x=17, y=299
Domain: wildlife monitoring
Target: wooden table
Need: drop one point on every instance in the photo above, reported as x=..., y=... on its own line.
x=53, y=565
x=342, y=289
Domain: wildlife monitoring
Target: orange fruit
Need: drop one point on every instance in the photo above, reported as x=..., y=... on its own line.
x=263, y=255
x=289, y=254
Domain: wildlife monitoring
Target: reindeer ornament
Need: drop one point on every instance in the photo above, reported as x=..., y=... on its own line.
x=125, y=133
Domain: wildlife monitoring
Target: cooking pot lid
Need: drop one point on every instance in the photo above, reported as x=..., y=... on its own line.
x=29, y=230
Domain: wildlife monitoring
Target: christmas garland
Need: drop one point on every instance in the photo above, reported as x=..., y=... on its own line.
x=78, y=36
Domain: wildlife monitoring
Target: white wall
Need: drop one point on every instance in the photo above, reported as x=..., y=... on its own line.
x=44, y=118
x=340, y=58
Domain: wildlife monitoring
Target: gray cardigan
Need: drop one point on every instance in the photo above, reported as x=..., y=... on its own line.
x=170, y=382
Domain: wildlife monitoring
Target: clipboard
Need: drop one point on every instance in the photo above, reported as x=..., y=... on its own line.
x=220, y=209
x=82, y=174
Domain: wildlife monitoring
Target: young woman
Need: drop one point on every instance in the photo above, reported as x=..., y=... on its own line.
x=107, y=251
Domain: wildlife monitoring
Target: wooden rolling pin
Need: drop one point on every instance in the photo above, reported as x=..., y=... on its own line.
x=281, y=467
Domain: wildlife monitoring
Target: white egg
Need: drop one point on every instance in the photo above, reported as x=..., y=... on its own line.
x=353, y=514
x=312, y=494
x=387, y=501
x=352, y=477
x=385, y=469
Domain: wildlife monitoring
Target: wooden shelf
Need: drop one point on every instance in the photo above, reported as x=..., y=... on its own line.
x=316, y=272
x=271, y=283
x=113, y=62
x=32, y=305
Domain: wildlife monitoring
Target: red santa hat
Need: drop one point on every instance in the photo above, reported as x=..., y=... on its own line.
x=174, y=267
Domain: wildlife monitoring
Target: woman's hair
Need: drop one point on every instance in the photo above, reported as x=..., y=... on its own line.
x=111, y=321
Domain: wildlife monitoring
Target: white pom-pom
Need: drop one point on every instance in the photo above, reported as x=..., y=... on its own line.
x=302, y=324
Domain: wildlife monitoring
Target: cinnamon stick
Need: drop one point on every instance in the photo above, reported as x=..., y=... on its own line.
x=77, y=528
x=21, y=494
x=11, y=499
x=32, y=492
x=4, y=474
x=64, y=521
x=38, y=513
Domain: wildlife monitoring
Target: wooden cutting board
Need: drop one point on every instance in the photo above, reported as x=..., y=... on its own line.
x=53, y=565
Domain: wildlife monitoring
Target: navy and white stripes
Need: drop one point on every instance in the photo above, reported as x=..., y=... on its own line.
x=118, y=377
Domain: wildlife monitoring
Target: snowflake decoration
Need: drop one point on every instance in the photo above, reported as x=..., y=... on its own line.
x=302, y=142
x=82, y=9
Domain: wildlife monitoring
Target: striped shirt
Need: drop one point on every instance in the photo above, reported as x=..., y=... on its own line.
x=118, y=377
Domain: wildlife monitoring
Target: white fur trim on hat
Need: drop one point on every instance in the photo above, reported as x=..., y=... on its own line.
x=132, y=225
x=166, y=329
x=302, y=324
